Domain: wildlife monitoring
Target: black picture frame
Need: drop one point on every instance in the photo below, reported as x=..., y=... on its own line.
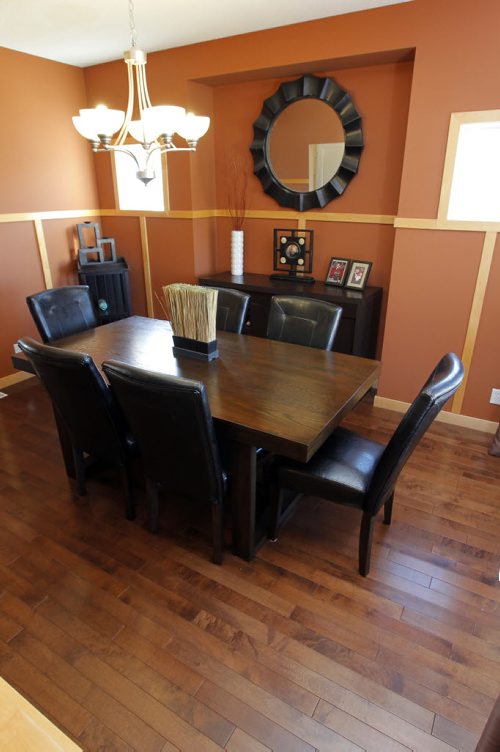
x=293, y=250
x=327, y=90
x=338, y=270
x=358, y=275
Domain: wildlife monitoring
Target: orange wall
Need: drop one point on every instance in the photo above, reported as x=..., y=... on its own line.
x=21, y=276
x=381, y=94
x=45, y=163
x=45, y=167
x=428, y=275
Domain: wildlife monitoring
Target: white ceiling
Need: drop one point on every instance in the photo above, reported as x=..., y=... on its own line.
x=86, y=32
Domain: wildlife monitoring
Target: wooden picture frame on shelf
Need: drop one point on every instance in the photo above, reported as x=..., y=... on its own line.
x=338, y=269
x=358, y=275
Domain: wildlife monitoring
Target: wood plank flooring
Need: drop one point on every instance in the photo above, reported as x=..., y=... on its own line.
x=128, y=641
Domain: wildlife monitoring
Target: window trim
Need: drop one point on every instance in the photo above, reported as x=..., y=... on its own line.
x=457, y=119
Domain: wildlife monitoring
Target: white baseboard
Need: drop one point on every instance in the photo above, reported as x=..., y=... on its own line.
x=455, y=419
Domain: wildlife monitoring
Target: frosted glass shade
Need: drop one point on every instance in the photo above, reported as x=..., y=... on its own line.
x=194, y=127
x=139, y=130
x=99, y=121
x=163, y=119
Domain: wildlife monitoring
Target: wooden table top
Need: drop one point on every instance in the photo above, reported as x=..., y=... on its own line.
x=282, y=397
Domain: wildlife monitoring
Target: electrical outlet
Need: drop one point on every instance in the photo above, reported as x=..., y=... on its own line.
x=495, y=397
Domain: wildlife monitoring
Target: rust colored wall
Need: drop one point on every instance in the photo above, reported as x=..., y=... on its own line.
x=127, y=234
x=46, y=166
x=429, y=302
x=53, y=168
x=21, y=276
x=61, y=239
x=485, y=370
x=405, y=109
x=381, y=94
x=455, y=70
x=428, y=276
x=170, y=248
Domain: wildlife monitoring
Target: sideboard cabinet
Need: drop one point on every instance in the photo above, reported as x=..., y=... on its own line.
x=357, y=334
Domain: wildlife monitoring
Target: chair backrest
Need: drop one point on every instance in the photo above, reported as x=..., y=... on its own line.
x=171, y=421
x=62, y=311
x=437, y=390
x=81, y=398
x=303, y=321
x=232, y=307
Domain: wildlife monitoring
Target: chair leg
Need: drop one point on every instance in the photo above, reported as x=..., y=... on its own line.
x=218, y=532
x=152, y=492
x=127, y=490
x=79, y=461
x=365, y=543
x=276, y=499
x=388, y=509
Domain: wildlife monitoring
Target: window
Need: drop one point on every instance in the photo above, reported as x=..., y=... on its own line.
x=471, y=179
x=132, y=193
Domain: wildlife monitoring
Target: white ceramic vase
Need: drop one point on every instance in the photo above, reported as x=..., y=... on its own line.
x=237, y=252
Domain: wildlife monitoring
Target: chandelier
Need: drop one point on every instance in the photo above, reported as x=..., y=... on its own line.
x=156, y=126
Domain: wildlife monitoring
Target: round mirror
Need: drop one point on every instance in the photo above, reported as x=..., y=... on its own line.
x=307, y=143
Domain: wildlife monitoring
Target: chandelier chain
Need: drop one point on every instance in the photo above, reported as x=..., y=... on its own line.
x=133, y=31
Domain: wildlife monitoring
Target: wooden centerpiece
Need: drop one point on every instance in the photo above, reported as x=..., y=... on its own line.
x=192, y=311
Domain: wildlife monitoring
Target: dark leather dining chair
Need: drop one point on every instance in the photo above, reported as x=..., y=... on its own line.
x=232, y=307
x=303, y=321
x=62, y=311
x=355, y=471
x=87, y=409
x=490, y=738
x=171, y=420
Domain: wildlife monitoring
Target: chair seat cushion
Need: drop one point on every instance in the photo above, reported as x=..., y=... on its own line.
x=341, y=470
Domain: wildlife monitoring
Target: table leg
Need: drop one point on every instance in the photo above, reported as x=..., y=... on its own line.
x=243, y=481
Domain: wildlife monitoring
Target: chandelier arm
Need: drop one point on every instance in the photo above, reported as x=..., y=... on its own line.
x=151, y=151
x=142, y=86
x=124, y=151
x=120, y=139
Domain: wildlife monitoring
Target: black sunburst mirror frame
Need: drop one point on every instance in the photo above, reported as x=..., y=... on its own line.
x=328, y=91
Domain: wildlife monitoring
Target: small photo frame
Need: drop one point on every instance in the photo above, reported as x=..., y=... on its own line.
x=358, y=275
x=337, y=272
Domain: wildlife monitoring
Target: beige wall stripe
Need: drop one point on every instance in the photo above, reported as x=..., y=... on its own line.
x=403, y=223
x=146, y=266
x=14, y=378
x=475, y=315
x=42, y=250
x=408, y=223
x=465, y=421
x=31, y=216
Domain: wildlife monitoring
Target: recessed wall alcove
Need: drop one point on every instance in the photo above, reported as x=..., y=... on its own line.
x=380, y=86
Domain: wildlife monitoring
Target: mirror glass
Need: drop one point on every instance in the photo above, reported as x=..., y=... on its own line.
x=306, y=145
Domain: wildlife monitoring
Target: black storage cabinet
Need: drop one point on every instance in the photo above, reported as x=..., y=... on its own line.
x=109, y=286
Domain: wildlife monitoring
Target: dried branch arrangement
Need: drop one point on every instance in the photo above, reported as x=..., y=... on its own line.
x=237, y=186
x=192, y=311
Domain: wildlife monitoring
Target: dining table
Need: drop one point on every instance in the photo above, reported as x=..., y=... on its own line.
x=264, y=394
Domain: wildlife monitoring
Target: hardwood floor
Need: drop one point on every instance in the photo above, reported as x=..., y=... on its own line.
x=129, y=641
